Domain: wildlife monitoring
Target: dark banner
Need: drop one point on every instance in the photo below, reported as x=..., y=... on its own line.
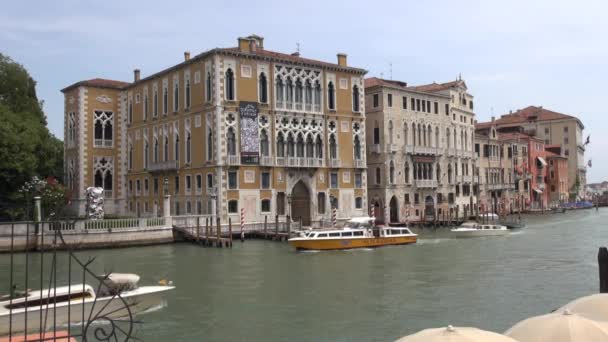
x=423, y=159
x=250, y=141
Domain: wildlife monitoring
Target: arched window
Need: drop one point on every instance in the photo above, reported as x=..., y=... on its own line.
x=331, y=96
x=407, y=173
x=333, y=147
x=188, y=148
x=299, y=94
x=291, y=146
x=176, y=147
x=390, y=132
x=310, y=147
x=308, y=95
x=210, y=144
x=229, y=85
x=437, y=140
x=264, y=143
x=98, y=179
x=107, y=181
x=208, y=90
x=317, y=97
x=414, y=134
x=289, y=93
x=280, y=145
x=319, y=147
x=155, y=103
x=356, y=98
x=455, y=143
x=378, y=175
x=300, y=146
x=447, y=133
x=165, y=100
x=376, y=133
x=429, y=135
x=263, y=88
x=187, y=90
x=357, y=148
x=130, y=157
x=449, y=173
x=146, y=151
x=175, y=95
x=420, y=137
x=107, y=131
x=391, y=173
x=438, y=173
x=166, y=149
x=280, y=91
x=155, y=150
x=231, y=142
x=405, y=135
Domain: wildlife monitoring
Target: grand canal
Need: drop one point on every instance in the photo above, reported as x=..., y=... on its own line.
x=265, y=291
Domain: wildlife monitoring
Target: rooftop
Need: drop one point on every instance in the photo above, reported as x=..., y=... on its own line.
x=98, y=83
x=526, y=115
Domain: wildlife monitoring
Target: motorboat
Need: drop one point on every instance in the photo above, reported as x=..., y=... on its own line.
x=474, y=229
x=118, y=297
x=359, y=232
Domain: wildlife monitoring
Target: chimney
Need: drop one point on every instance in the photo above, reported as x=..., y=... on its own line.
x=296, y=54
x=244, y=45
x=510, y=111
x=342, y=59
x=186, y=56
x=136, y=75
x=493, y=119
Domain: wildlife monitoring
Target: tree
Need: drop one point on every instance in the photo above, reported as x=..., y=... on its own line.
x=27, y=148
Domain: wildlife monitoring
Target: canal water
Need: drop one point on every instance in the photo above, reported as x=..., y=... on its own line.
x=265, y=291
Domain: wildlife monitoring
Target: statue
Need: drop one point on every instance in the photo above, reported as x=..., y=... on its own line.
x=94, y=206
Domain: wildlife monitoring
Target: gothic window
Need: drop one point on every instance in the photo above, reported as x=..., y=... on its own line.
x=376, y=133
x=317, y=97
x=391, y=174
x=378, y=175
x=231, y=142
x=438, y=173
x=319, y=147
x=229, y=85
x=407, y=173
x=298, y=96
x=155, y=150
x=405, y=134
x=130, y=157
x=321, y=203
x=165, y=99
x=309, y=147
x=331, y=94
x=280, y=146
x=146, y=151
x=71, y=129
x=176, y=147
x=208, y=90
x=289, y=93
x=264, y=143
x=209, y=144
x=279, y=92
x=187, y=90
x=188, y=148
x=145, y=105
x=103, y=175
x=300, y=146
x=390, y=132
x=166, y=149
x=450, y=174
x=333, y=147
x=263, y=88
x=290, y=146
x=447, y=132
x=437, y=141
x=355, y=98
x=357, y=148
x=103, y=128
x=414, y=134
x=308, y=95
x=130, y=110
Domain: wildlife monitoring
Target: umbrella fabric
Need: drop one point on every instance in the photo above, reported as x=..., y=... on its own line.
x=559, y=326
x=594, y=307
x=455, y=334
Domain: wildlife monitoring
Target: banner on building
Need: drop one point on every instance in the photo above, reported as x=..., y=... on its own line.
x=250, y=141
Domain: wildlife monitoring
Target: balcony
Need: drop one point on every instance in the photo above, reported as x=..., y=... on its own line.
x=467, y=179
x=313, y=162
x=375, y=148
x=103, y=143
x=266, y=161
x=494, y=158
x=335, y=163
x=280, y=161
x=292, y=161
x=409, y=149
x=167, y=165
x=360, y=164
x=392, y=148
x=451, y=152
x=233, y=160
x=425, y=183
x=425, y=150
x=466, y=154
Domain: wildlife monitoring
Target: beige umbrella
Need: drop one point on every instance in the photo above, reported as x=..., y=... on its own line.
x=559, y=326
x=594, y=307
x=455, y=334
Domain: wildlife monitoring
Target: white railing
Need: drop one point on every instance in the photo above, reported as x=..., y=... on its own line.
x=107, y=143
x=279, y=104
x=409, y=149
x=375, y=148
x=308, y=107
x=494, y=158
x=335, y=163
x=425, y=183
x=292, y=161
x=280, y=161
x=467, y=179
x=317, y=108
x=312, y=162
x=298, y=105
x=265, y=160
x=391, y=148
x=451, y=152
x=359, y=163
x=163, y=165
x=233, y=160
x=425, y=150
x=301, y=162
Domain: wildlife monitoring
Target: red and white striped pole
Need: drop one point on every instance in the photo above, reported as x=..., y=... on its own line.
x=333, y=217
x=242, y=224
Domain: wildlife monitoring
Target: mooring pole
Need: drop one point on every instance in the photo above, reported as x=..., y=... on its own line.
x=198, y=228
x=230, y=228
x=276, y=226
x=206, y=231
x=602, y=260
x=219, y=233
x=265, y=226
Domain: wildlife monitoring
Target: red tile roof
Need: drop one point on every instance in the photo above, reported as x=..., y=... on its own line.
x=434, y=87
x=98, y=83
x=528, y=114
x=375, y=81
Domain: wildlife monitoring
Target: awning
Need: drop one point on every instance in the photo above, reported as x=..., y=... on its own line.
x=542, y=161
x=538, y=191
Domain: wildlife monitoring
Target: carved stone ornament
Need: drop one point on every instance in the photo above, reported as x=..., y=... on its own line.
x=104, y=99
x=71, y=100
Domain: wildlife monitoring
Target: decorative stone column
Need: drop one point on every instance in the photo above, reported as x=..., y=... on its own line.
x=37, y=209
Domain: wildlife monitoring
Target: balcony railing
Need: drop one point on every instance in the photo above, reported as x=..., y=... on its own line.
x=105, y=143
x=466, y=154
x=494, y=158
x=409, y=149
x=467, y=179
x=451, y=152
x=292, y=161
x=375, y=148
x=167, y=165
x=335, y=163
x=424, y=150
x=359, y=163
x=392, y=148
x=280, y=161
x=425, y=183
x=233, y=160
x=266, y=160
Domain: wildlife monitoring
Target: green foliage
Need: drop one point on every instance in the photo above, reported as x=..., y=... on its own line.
x=27, y=148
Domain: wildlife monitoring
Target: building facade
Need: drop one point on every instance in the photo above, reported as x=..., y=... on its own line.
x=240, y=128
x=554, y=128
x=420, y=150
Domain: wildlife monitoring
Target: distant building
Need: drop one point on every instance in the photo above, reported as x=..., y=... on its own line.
x=420, y=157
x=229, y=129
x=552, y=128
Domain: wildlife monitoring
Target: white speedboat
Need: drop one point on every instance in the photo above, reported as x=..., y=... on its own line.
x=69, y=304
x=474, y=229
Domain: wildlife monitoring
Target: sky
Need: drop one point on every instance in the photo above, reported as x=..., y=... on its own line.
x=511, y=54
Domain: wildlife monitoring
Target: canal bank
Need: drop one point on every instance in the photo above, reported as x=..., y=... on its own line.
x=265, y=291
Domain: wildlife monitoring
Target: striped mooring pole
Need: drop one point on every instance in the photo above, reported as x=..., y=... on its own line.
x=333, y=217
x=242, y=224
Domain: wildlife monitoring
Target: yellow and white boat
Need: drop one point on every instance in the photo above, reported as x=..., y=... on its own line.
x=359, y=232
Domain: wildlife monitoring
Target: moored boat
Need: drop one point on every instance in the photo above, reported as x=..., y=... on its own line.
x=117, y=298
x=358, y=232
x=474, y=229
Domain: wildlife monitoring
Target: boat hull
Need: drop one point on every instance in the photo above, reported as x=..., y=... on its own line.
x=336, y=244
x=479, y=233
x=137, y=301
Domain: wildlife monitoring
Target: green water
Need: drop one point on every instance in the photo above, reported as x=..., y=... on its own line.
x=265, y=291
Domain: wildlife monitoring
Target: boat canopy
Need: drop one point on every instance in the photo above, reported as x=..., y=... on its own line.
x=542, y=160
x=538, y=190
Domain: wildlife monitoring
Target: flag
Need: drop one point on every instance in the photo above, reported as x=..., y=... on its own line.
x=589, y=162
x=587, y=141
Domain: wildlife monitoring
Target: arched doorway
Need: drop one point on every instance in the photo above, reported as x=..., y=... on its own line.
x=429, y=208
x=394, y=210
x=378, y=212
x=300, y=203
